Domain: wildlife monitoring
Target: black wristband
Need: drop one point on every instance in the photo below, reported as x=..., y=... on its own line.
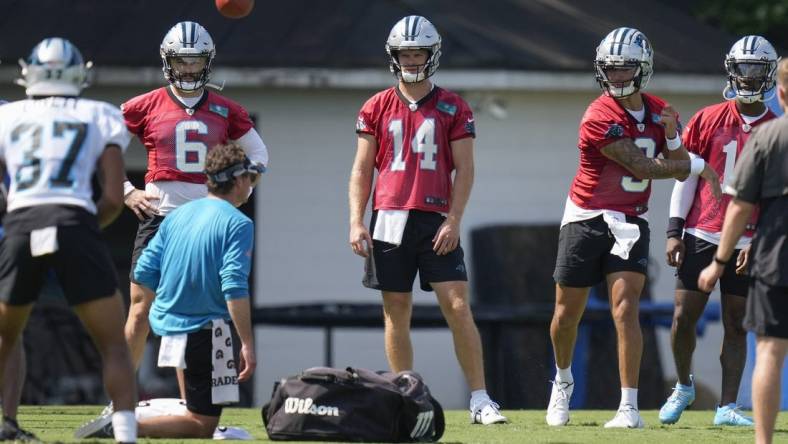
x=720, y=261
x=675, y=227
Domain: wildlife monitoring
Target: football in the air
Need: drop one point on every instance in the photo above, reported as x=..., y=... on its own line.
x=234, y=8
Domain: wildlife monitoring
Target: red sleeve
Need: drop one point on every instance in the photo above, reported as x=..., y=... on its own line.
x=239, y=122
x=691, y=136
x=367, y=119
x=463, y=125
x=599, y=133
x=134, y=114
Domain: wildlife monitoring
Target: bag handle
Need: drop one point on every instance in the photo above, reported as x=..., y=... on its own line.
x=440, y=421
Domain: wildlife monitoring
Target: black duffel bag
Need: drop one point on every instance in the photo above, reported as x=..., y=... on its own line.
x=328, y=404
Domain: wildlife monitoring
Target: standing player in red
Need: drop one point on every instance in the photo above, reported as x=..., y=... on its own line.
x=604, y=233
x=415, y=134
x=717, y=134
x=178, y=124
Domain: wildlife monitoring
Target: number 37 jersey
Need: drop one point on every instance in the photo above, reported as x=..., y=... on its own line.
x=178, y=138
x=414, y=158
x=51, y=147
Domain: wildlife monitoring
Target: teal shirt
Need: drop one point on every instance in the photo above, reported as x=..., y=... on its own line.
x=198, y=260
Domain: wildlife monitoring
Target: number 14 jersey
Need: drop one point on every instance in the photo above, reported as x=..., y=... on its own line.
x=414, y=158
x=717, y=133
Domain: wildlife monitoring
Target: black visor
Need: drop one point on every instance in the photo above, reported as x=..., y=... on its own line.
x=236, y=170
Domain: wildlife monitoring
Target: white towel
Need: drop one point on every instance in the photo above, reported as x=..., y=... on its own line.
x=625, y=233
x=43, y=241
x=172, y=351
x=153, y=408
x=390, y=225
x=224, y=377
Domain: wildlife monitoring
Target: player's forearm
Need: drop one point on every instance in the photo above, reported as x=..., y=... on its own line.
x=359, y=190
x=736, y=217
x=678, y=154
x=647, y=168
x=107, y=212
x=461, y=192
x=682, y=196
x=254, y=147
x=240, y=313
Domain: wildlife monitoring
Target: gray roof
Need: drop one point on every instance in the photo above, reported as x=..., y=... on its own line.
x=541, y=35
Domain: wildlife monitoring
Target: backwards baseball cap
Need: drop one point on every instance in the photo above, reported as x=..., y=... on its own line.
x=236, y=170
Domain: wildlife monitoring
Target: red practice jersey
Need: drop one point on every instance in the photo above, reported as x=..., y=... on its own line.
x=601, y=183
x=178, y=141
x=717, y=133
x=414, y=158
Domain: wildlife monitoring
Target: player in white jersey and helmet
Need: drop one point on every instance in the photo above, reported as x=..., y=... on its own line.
x=50, y=145
x=15, y=370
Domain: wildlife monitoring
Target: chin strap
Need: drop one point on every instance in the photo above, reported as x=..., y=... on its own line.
x=730, y=94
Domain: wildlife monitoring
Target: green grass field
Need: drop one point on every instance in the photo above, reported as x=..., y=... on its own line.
x=53, y=423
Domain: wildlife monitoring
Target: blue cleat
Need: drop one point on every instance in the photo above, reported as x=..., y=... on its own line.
x=731, y=415
x=682, y=397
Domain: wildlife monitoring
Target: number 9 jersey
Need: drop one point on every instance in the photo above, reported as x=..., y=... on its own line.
x=178, y=138
x=601, y=183
x=50, y=148
x=414, y=158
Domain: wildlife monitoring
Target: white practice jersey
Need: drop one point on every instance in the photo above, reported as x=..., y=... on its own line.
x=51, y=147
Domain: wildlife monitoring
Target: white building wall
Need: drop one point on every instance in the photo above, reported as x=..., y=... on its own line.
x=524, y=165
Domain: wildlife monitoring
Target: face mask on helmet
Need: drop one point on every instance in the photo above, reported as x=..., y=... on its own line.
x=187, y=53
x=413, y=33
x=623, y=64
x=54, y=68
x=751, y=65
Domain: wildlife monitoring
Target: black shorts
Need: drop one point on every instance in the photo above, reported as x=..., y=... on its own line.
x=699, y=254
x=396, y=266
x=584, y=257
x=197, y=374
x=145, y=232
x=767, y=310
x=82, y=264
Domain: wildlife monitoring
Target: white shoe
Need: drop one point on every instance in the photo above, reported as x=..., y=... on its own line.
x=100, y=427
x=487, y=413
x=627, y=417
x=558, y=408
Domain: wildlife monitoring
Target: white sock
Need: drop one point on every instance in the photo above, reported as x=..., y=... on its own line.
x=564, y=375
x=478, y=397
x=629, y=396
x=124, y=425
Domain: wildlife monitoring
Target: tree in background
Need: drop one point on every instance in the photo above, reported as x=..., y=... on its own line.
x=768, y=18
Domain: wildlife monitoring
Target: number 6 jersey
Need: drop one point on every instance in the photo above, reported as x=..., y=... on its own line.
x=51, y=146
x=178, y=139
x=414, y=158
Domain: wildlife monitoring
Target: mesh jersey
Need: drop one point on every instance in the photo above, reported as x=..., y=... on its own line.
x=414, y=158
x=717, y=133
x=601, y=183
x=178, y=138
x=51, y=146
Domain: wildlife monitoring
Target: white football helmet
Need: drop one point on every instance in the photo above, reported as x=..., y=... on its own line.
x=54, y=68
x=187, y=40
x=414, y=32
x=624, y=49
x=752, y=66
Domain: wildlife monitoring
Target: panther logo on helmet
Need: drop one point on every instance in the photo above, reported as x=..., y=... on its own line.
x=185, y=42
x=751, y=65
x=624, y=62
x=414, y=32
x=54, y=68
